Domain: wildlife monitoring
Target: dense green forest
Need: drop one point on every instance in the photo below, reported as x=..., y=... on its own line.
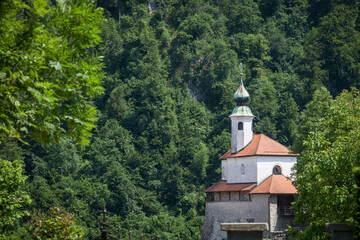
x=170, y=69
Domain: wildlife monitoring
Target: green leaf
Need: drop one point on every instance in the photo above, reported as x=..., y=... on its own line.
x=55, y=65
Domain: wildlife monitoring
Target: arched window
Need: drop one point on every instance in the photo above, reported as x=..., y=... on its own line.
x=240, y=126
x=277, y=170
x=242, y=169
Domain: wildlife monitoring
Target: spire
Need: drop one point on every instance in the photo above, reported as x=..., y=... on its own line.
x=241, y=119
x=241, y=96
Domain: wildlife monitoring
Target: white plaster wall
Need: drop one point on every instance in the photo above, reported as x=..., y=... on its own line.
x=265, y=165
x=224, y=169
x=240, y=138
x=234, y=170
x=233, y=211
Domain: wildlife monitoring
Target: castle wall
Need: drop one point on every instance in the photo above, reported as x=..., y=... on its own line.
x=232, y=212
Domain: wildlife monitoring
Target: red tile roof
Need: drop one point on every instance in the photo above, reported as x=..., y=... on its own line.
x=261, y=145
x=222, y=186
x=276, y=184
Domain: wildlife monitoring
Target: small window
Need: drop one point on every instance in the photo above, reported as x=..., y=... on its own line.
x=240, y=126
x=277, y=170
x=242, y=170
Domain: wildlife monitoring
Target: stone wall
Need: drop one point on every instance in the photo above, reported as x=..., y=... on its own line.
x=273, y=212
x=277, y=223
x=234, y=196
x=232, y=212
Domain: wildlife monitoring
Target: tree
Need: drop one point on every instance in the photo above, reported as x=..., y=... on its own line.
x=170, y=78
x=56, y=224
x=287, y=120
x=264, y=106
x=326, y=185
x=12, y=198
x=315, y=110
x=243, y=16
x=47, y=73
x=285, y=29
x=331, y=51
x=48, y=77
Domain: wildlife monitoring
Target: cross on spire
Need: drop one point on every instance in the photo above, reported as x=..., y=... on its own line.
x=241, y=71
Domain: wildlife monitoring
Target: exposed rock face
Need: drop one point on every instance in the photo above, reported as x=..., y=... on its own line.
x=152, y=6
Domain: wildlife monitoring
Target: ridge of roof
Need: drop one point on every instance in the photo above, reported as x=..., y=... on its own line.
x=275, y=184
x=223, y=157
x=264, y=181
x=271, y=183
x=257, y=147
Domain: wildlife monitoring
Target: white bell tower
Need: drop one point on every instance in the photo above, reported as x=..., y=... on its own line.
x=241, y=119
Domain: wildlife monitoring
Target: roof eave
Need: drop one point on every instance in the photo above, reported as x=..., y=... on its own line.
x=277, y=155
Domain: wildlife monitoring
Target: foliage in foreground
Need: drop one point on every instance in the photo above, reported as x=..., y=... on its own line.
x=47, y=76
x=327, y=183
x=12, y=198
x=55, y=224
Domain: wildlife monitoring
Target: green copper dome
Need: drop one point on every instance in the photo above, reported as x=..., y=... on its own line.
x=241, y=96
x=241, y=111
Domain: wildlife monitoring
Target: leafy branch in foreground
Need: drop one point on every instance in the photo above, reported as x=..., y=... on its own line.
x=326, y=185
x=56, y=224
x=12, y=198
x=47, y=76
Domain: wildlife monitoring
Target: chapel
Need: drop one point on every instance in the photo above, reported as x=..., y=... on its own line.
x=256, y=183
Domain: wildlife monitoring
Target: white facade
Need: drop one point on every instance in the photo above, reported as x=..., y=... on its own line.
x=240, y=137
x=255, y=169
x=266, y=164
x=241, y=170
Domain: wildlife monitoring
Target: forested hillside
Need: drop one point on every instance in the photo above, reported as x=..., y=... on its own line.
x=171, y=68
